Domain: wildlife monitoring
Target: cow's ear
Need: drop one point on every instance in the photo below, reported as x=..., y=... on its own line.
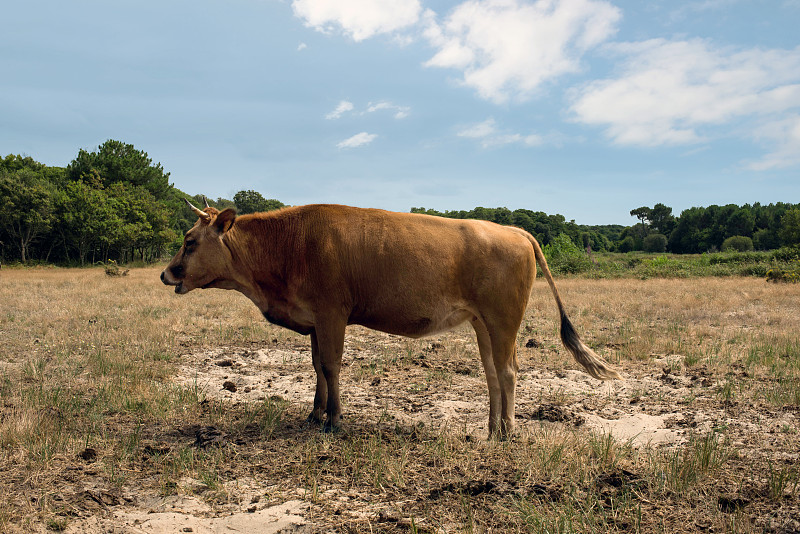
x=223, y=222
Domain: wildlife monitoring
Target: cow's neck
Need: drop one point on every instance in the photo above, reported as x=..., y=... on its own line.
x=264, y=261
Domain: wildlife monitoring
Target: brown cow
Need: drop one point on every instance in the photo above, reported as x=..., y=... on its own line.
x=316, y=269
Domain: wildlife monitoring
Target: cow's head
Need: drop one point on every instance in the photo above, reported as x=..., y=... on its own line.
x=203, y=260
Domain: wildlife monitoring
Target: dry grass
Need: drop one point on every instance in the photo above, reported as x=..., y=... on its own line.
x=92, y=418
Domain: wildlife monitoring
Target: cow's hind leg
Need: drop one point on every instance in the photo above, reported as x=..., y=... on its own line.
x=504, y=357
x=507, y=368
x=330, y=343
x=495, y=398
x=317, y=414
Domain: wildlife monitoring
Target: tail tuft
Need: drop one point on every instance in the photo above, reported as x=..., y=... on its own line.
x=585, y=356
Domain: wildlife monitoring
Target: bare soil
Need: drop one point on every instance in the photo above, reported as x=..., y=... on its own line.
x=409, y=398
x=414, y=456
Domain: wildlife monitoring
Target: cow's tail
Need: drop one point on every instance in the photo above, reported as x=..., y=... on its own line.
x=585, y=356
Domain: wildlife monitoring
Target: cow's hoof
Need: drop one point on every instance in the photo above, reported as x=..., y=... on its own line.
x=328, y=428
x=313, y=420
x=502, y=436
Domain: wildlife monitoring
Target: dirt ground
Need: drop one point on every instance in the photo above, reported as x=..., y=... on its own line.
x=413, y=455
x=411, y=398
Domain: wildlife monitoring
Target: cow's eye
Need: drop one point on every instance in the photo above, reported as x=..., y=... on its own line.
x=190, y=243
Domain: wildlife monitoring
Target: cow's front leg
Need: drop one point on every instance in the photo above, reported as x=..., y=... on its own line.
x=330, y=344
x=321, y=394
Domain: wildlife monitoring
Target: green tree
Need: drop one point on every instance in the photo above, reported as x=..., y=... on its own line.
x=223, y=203
x=790, y=227
x=634, y=232
x=502, y=216
x=740, y=223
x=690, y=234
x=26, y=202
x=643, y=214
x=88, y=222
x=116, y=161
x=253, y=202
x=144, y=224
x=766, y=239
x=661, y=219
x=13, y=163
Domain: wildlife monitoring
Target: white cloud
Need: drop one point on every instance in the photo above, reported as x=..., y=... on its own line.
x=360, y=19
x=400, y=112
x=479, y=130
x=671, y=93
x=489, y=135
x=343, y=107
x=785, y=133
x=301, y=46
x=512, y=139
x=508, y=48
x=357, y=140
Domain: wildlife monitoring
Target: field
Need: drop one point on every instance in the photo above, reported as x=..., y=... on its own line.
x=125, y=408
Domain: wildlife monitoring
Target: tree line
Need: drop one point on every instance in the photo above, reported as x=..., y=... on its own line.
x=110, y=204
x=696, y=230
x=114, y=203
x=545, y=228
x=713, y=228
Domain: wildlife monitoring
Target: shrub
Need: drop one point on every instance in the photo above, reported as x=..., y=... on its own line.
x=655, y=243
x=627, y=244
x=786, y=253
x=564, y=256
x=791, y=273
x=112, y=269
x=663, y=267
x=753, y=269
x=736, y=257
x=738, y=243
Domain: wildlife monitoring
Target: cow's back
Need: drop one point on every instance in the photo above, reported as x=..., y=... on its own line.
x=415, y=274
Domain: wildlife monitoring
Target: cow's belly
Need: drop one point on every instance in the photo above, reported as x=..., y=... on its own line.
x=414, y=325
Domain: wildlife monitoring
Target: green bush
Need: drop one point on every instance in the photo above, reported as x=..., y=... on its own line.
x=626, y=245
x=646, y=265
x=738, y=243
x=655, y=243
x=790, y=273
x=753, y=269
x=662, y=267
x=564, y=256
x=718, y=258
x=786, y=253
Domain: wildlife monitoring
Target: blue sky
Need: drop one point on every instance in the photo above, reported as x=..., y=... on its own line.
x=586, y=108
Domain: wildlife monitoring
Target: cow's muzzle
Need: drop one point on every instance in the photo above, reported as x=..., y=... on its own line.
x=169, y=281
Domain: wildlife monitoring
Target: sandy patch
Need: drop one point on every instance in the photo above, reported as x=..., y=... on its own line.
x=407, y=396
x=283, y=518
x=638, y=429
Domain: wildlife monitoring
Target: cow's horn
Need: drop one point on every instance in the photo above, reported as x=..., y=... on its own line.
x=200, y=213
x=206, y=201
